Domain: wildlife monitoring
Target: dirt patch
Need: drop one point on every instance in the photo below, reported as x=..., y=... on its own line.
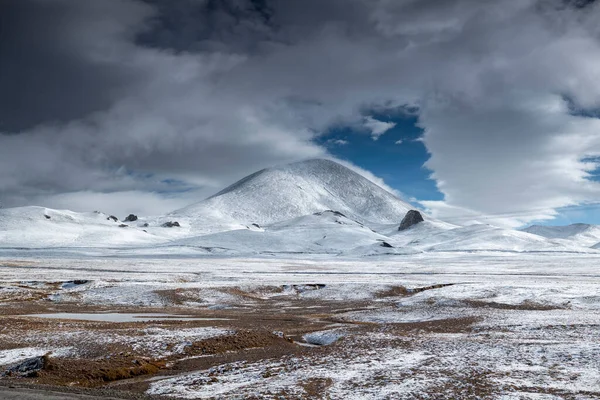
x=13, y=264
x=394, y=291
x=315, y=387
x=239, y=341
x=269, y=292
x=402, y=291
x=466, y=385
x=93, y=373
x=449, y=325
x=28, y=291
x=254, y=295
x=174, y=296
x=527, y=305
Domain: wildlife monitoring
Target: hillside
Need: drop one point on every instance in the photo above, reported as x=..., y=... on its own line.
x=583, y=234
x=298, y=189
x=39, y=227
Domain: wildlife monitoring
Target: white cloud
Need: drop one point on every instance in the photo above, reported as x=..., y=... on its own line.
x=376, y=127
x=210, y=103
x=338, y=142
x=400, y=141
x=518, y=161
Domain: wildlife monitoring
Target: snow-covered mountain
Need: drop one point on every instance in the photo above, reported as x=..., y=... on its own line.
x=295, y=190
x=583, y=234
x=310, y=207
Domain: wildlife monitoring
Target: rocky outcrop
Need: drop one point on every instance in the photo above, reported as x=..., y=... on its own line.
x=28, y=368
x=131, y=218
x=115, y=219
x=170, y=224
x=336, y=213
x=411, y=218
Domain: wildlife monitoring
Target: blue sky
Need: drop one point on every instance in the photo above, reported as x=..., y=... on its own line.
x=400, y=164
x=589, y=214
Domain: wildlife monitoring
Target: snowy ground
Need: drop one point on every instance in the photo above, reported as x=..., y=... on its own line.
x=425, y=326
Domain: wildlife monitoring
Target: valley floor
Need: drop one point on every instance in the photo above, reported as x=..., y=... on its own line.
x=426, y=326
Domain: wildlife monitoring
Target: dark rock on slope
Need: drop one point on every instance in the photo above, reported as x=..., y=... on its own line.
x=27, y=368
x=131, y=218
x=411, y=218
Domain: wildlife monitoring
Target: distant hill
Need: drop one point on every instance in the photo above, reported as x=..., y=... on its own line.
x=583, y=234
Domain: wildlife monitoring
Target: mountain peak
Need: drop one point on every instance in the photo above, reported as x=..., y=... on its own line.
x=321, y=164
x=301, y=188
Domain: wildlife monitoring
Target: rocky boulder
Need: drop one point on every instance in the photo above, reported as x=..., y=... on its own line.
x=170, y=224
x=28, y=368
x=131, y=218
x=411, y=218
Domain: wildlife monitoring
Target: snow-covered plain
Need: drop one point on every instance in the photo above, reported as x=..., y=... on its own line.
x=533, y=328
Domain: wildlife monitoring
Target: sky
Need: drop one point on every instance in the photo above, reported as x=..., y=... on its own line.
x=472, y=110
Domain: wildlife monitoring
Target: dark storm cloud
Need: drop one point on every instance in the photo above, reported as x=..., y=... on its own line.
x=43, y=77
x=208, y=25
x=119, y=96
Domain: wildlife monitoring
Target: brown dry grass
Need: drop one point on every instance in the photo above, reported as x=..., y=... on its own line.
x=241, y=340
x=315, y=387
x=402, y=291
x=527, y=305
x=93, y=373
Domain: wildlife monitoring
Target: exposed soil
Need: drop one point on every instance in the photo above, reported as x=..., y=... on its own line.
x=402, y=291
x=527, y=305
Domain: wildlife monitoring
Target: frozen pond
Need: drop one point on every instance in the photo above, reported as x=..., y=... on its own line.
x=122, y=317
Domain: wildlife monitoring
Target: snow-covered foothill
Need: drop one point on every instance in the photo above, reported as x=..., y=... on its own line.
x=583, y=234
x=39, y=227
x=316, y=207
